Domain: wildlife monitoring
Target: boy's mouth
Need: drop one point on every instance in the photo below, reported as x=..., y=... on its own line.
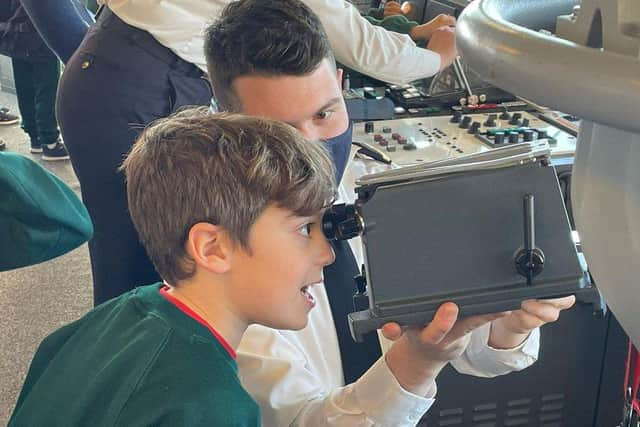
x=305, y=291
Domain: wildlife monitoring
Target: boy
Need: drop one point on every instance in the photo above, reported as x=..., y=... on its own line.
x=229, y=209
x=318, y=376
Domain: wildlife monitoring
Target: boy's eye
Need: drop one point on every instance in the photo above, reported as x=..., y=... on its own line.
x=323, y=115
x=305, y=230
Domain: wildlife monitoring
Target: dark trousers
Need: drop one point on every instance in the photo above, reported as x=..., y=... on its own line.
x=118, y=81
x=36, y=85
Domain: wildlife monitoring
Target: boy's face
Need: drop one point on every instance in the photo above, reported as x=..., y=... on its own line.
x=313, y=103
x=287, y=255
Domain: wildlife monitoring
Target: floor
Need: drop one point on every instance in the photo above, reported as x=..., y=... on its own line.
x=36, y=300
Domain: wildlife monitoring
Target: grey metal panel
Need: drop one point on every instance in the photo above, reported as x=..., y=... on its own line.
x=461, y=234
x=592, y=84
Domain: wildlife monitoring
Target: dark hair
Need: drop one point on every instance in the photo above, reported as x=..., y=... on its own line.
x=223, y=169
x=262, y=37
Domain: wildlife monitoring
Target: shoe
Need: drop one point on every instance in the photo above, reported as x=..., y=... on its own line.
x=7, y=118
x=35, y=148
x=57, y=152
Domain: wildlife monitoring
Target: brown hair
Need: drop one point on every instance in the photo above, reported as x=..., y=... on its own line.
x=224, y=169
x=262, y=37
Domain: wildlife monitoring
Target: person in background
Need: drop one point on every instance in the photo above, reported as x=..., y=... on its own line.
x=36, y=71
x=394, y=17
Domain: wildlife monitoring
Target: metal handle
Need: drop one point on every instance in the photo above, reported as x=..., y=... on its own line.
x=593, y=84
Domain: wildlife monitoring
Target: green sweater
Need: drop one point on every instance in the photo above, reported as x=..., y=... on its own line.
x=136, y=360
x=397, y=23
x=40, y=217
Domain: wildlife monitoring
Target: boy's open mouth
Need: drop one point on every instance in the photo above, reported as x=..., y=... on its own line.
x=305, y=291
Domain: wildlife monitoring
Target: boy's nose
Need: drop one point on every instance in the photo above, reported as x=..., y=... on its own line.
x=327, y=256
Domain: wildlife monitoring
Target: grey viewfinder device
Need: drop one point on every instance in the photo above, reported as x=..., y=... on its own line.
x=485, y=231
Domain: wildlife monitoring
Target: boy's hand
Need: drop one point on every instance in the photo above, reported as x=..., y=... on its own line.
x=443, y=42
x=511, y=330
x=419, y=354
x=392, y=8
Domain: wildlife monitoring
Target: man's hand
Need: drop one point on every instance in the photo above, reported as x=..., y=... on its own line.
x=511, y=330
x=443, y=42
x=425, y=31
x=392, y=8
x=418, y=355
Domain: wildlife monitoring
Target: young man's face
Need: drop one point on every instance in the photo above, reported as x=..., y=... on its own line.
x=287, y=256
x=313, y=104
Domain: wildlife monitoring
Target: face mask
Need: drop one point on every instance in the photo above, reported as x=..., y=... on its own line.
x=339, y=148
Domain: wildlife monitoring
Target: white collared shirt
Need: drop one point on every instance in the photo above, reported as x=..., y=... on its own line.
x=384, y=55
x=296, y=376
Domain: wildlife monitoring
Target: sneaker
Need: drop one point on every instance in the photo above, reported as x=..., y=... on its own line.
x=57, y=152
x=35, y=148
x=7, y=118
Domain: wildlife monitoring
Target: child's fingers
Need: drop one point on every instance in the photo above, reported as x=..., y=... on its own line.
x=442, y=323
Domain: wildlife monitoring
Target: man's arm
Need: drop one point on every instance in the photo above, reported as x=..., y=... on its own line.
x=374, y=51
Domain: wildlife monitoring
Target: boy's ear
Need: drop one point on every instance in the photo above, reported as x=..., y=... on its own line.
x=209, y=247
x=339, y=72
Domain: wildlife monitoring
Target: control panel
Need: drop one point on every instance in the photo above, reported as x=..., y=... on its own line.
x=414, y=140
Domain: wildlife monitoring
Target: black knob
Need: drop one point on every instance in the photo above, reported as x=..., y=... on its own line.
x=475, y=126
x=456, y=117
x=542, y=134
x=386, y=129
x=528, y=135
x=525, y=123
x=466, y=121
x=368, y=127
x=491, y=120
x=499, y=138
x=505, y=115
x=514, y=137
x=341, y=222
x=515, y=119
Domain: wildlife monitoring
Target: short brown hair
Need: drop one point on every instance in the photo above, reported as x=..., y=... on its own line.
x=265, y=38
x=224, y=169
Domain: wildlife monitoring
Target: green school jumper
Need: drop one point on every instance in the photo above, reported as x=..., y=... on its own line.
x=142, y=359
x=40, y=217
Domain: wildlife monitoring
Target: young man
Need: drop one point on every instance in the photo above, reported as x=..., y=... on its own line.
x=229, y=208
x=273, y=59
x=143, y=60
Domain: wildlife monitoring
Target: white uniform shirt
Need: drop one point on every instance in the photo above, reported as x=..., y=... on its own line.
x=296, y=376
x=382, y=54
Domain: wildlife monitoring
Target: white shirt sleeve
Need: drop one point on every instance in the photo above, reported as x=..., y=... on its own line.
x=296, y=378
x=481, y=360
x=372, y=50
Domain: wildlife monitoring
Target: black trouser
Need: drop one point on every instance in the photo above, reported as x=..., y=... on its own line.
x=36, y=84
x=118, y=81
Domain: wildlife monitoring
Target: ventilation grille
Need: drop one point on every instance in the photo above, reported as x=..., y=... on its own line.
x=544, y=412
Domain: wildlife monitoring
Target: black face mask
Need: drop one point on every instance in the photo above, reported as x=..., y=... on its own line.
x=339, y=148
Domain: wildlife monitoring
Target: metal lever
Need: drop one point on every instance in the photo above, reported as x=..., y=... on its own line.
x=530, y=259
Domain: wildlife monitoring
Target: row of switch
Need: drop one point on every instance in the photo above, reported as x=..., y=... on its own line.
x=465, y=121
